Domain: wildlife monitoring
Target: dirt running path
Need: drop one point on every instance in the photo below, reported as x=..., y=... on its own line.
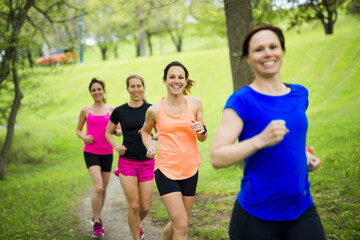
x=114, y=216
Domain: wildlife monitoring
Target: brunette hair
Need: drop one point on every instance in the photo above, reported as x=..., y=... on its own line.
x=137, y=76
x=190, y=82
x=94, y=80
x=258, y=28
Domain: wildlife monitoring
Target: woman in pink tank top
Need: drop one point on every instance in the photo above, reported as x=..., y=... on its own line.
x=98, y=153
x=178, y=119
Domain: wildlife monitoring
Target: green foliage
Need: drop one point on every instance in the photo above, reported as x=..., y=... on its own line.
x=335, y=189
x=326, y=65
x=158, y=211
x=211, y=233
x=353, y=7
x=37, y=200
x=209, y=16
x=263, y=11
x=324, y=12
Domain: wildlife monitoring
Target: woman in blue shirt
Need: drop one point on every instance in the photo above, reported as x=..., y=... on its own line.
x=268, y=118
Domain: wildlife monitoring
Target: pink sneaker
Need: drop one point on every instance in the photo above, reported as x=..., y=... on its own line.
x=92, y=224
x=141, y=233
x=98, y=231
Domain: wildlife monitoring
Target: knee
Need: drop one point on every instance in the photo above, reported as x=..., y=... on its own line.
x=145, y=208
x=134, y=208
x=98, y=190
x=181, y=227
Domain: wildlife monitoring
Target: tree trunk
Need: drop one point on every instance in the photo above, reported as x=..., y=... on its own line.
x=331, y=19
x=148, y=37
x=16, y=19
x=11, y=121
x=103, y=53
x=29, y=57
x=328, y=28
x=161, y=46
x=141, y=35
x=137, y=47
x=239, y=21
x=179, y=44
x=116, y=50
x=5, y=68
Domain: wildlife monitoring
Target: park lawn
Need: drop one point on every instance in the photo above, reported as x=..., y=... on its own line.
x=46, y=175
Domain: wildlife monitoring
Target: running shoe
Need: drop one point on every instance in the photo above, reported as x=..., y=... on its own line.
x=141, y=233
x=92, y=224
x=98, y=231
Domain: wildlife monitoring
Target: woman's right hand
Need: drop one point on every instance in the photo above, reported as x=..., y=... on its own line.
x=273, y=133
x=89, y=139
x=121, y=149
x=151, y=152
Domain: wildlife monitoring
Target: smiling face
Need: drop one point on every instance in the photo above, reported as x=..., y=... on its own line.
x=136, y=89
x=175, y=80
x=97, y=92
x=265, y=54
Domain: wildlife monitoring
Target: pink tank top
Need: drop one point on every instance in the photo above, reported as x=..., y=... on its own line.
x=178, y=155
x=96, y=127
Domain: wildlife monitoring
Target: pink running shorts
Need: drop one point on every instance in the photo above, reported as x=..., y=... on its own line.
x=143, y=170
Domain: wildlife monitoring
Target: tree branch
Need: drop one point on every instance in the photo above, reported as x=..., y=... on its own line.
x=32, y=23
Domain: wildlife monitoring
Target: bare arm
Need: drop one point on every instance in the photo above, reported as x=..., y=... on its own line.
x=154, y=136
x=146, y=130
x=198, y=124
x=110, y=138
x=82, y=119
x=225, y=152
x=118, y=127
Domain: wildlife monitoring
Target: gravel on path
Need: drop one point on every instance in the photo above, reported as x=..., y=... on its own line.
x=113, y=216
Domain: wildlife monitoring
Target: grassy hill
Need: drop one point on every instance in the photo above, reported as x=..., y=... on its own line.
x=46, y=159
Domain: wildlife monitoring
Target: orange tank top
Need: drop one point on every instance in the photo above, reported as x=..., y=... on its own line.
x=178, y=155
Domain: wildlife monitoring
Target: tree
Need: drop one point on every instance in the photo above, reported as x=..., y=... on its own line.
x=209, y=16
x=353, y=7
x=324, y=11
x=137, y=12
x=142, y=13
x=239, y=21
x=263, y=11
x=14, y=14
x=105, y=23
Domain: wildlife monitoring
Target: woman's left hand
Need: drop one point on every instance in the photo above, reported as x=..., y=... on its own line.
x=314, y=163
x=197, y=127
x=151, y=152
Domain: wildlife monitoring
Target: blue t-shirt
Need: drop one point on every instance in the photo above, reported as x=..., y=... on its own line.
x=275, y=184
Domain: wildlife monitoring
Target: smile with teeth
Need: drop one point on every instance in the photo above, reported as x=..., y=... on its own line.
x=269, y=63
x=177, y=87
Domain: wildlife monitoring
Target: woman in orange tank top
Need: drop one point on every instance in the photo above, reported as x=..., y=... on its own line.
x=178, y=119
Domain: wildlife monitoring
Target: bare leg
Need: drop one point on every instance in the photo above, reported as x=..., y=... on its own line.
x=106, y=178
x=98, y=189
x=146, y=190
x=168, y=232
x=178, y=208
x=131, y=190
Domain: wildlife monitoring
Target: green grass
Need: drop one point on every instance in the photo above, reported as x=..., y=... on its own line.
x=47, y=175
x=43, y=183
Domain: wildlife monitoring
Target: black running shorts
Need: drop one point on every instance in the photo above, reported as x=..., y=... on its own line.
x=187, y=187
x=104, y=161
